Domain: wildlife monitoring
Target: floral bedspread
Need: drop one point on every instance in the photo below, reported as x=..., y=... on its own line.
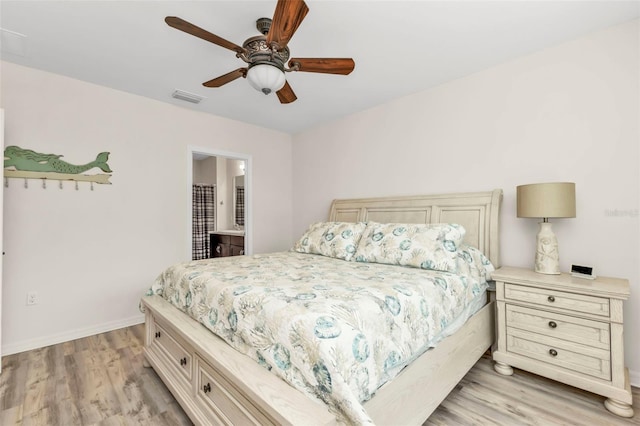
x=334, y=329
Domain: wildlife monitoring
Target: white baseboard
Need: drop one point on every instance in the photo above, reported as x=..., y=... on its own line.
x=634, y=378
x=40, y=342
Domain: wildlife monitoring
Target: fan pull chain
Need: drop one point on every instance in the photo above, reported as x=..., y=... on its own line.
x=76, y=185
x=44, y=184
x=26, y=184
x=6, y=182
x=60, y=184
x=92, y=186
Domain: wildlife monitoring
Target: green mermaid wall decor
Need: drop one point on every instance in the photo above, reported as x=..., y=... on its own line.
x=28, y=164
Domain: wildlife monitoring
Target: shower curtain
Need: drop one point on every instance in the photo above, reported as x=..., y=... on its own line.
x=204, y=220
x=240, y=205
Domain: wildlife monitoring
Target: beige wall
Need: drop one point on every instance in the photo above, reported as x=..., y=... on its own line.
x=567, y=113
x=204, y=171
x=90, y=255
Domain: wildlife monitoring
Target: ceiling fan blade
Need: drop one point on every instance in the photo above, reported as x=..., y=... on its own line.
x=341, y=66
x=286, y=94
x=189, y=28
x=286, y=19
x=227, y=78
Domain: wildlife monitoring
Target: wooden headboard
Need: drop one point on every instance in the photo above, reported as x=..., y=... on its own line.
x=478, y=212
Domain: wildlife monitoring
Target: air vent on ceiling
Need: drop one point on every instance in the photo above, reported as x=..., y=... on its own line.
x=186, y=96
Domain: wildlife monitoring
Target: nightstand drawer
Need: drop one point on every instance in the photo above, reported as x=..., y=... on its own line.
x=558, y=299
x=572, y=329
x=578, y=358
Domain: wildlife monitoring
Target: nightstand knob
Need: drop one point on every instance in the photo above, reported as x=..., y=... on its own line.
x=551, y=299
x=553, y=352
x=552, y=324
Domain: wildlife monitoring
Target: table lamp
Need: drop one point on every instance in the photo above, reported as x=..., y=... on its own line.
x=547, y=200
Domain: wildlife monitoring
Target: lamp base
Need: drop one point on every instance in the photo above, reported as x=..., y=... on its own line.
x=547, y=258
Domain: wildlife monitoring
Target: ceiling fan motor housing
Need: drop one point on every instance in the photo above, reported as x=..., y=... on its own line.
x=259, y=52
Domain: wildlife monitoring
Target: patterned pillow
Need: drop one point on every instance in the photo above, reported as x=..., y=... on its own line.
x=426, y=246
x=331, y=239
x=473, y=259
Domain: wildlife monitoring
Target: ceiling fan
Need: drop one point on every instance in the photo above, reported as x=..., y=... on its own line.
x=267, y=54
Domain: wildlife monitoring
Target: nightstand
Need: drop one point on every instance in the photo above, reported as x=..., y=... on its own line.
x=564, y=328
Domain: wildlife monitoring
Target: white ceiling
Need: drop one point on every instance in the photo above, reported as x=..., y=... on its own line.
x=399, y=47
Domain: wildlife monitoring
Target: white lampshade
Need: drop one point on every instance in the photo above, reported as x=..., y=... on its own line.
x=266, y=78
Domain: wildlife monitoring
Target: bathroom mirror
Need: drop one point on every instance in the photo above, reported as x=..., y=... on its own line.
x=238, y=202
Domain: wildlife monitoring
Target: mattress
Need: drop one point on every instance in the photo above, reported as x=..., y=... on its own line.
x=336, y=330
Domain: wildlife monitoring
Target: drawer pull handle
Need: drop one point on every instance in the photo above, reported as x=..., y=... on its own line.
x=183, y=361
x=551, y=299
x=207, y=388
x=552, y=324
x=157, y=334
x=218, y=249
x=553, y=352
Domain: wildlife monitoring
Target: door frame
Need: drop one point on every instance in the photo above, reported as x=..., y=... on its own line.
x=248, y=194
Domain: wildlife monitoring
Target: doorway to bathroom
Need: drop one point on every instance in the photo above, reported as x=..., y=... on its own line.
x=219, y=203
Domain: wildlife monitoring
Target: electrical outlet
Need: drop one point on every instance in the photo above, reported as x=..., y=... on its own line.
x=32, y=298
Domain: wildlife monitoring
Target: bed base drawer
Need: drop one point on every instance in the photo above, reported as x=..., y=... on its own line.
x=168, y=345
x=221, y=397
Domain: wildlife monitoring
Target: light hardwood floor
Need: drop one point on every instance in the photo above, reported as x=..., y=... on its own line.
x=99, y=380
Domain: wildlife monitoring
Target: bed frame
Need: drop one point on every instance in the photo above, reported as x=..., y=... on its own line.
x=215, y=384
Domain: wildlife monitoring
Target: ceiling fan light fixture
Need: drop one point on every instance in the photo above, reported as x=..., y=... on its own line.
x=266, y=78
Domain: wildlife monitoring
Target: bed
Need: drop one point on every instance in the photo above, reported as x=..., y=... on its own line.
x=217, y=384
